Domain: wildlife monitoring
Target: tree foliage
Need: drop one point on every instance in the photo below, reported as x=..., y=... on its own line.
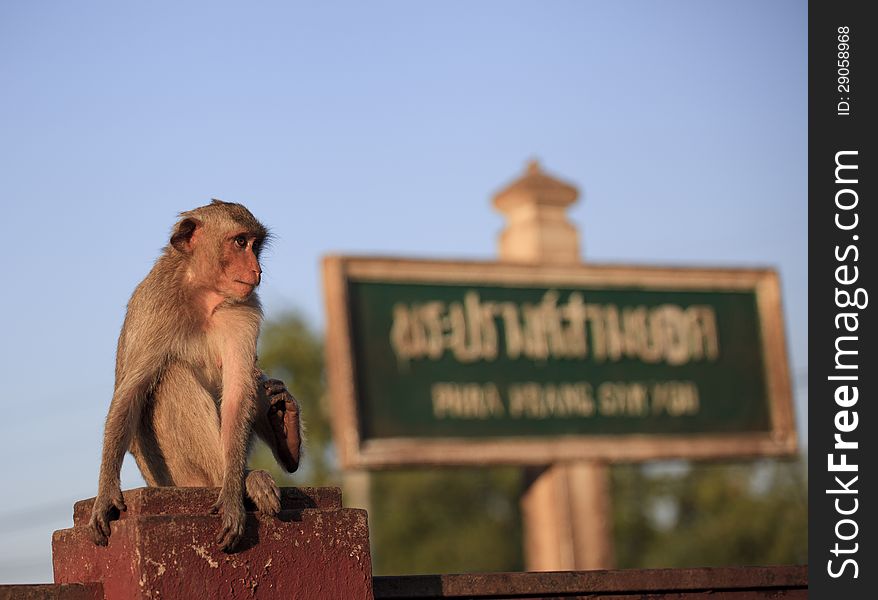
x=712, y=515
x=446, y=521
x=468, y=520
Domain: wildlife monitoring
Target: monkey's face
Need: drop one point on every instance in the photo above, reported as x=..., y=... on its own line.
x=219, y=245
x=240, y=272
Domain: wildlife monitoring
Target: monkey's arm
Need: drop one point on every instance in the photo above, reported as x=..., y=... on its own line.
x=122, y=418
x=237, y=412
x=278, y=420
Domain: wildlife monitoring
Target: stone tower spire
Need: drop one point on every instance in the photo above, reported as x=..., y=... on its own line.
x=537, y=228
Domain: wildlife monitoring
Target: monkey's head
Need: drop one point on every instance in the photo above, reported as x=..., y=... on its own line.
x=220, y=244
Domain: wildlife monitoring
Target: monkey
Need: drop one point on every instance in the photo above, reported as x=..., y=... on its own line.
x=188, y=396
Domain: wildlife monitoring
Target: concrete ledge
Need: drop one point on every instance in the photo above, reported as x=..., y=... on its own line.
x=164, y=546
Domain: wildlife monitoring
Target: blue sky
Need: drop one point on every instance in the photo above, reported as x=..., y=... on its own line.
x=381, y=127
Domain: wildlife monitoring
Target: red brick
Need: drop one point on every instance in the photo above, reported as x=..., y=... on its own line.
x=163, y=548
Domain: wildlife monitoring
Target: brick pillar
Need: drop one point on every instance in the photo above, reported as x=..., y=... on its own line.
x=164, y=546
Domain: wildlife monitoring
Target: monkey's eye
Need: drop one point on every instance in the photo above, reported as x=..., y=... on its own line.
x=240, y=241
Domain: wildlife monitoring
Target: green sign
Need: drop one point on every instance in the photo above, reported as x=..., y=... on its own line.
x=577, y=354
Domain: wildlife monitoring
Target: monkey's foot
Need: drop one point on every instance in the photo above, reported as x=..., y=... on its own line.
x=283, y=415
x=262, y=489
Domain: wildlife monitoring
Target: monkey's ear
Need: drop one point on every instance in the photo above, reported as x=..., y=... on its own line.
x=184, y=233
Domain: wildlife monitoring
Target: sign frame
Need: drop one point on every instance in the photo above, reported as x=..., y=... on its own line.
x=355, y=452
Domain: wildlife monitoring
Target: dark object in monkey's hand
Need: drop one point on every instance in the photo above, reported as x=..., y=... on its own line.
x=283, y=414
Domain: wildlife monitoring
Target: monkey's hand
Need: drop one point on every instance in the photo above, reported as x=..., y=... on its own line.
x=234, y=518
x=283, y=415
x=106, y=502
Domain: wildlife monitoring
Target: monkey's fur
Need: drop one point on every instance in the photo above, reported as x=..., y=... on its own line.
x=188, y=394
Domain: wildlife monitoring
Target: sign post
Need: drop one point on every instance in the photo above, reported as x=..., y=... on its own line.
x=567, y=520
x=542, y=361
